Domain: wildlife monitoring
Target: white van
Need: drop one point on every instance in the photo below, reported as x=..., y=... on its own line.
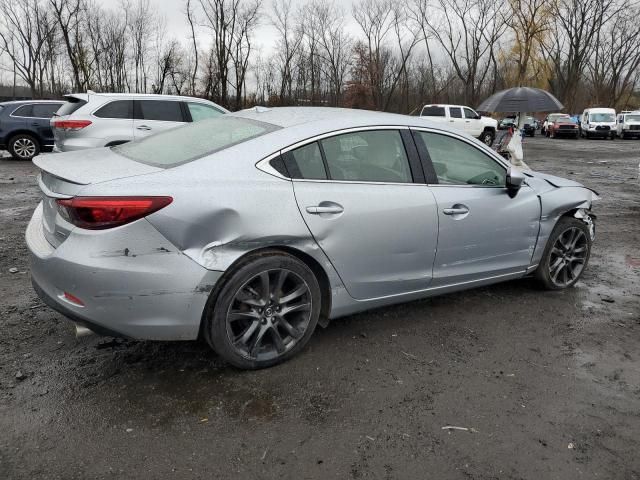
x=598, y=122
x=628, y=124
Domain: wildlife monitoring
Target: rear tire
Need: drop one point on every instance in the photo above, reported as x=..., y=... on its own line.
x=487, y=137
x=566, y=255
x=23, y=147
x=265, y=312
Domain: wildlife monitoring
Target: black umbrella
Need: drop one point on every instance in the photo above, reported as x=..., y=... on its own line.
x=521, y=99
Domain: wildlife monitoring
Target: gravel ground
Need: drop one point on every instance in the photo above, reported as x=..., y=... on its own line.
x=547, y=384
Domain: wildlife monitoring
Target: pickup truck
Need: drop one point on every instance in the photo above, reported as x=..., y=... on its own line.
x=463, y=118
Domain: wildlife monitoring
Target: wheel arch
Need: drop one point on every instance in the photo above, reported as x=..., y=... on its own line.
x=315, y=266
x=23, y=131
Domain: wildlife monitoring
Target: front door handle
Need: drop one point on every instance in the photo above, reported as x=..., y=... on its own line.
x=318, y=209
x=456, y=210
x=143, y=127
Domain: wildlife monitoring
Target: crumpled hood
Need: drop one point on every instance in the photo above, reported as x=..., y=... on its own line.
x=543, y=182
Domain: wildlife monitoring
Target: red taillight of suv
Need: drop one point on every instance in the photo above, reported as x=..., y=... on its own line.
x=100, y=213
x=71, y=124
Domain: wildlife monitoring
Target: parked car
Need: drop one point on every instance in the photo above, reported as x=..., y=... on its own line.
x=548, y=120
x=529, y=128
x=24, y=127
x=628, y=125
x=507, y=122
x=463, y=118
x=90, y=120
x=253, y=227
x=562, y=125
x=598, y=122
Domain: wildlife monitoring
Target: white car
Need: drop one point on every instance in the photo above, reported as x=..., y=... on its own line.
x=92, y=120
x=463, y=118
x=628, y=124
x=598, y=122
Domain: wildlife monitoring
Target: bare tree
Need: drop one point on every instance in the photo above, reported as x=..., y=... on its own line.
x=468, y=32
x=290, y=36
x=191, y=20
x=241, y=47
x=25, y=36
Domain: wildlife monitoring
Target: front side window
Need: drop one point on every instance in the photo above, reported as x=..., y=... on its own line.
x=458, y=163
x=369, y=156
x=468, y=113
x=23, y=111
x=45, y=110
x=455, y=112
x=194, y=140
x=200, y=111
x=117, y=109
x=163, y=110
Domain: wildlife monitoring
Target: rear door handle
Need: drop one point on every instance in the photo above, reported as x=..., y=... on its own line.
x=143, y=127
x=317, y=209
x=455, y=211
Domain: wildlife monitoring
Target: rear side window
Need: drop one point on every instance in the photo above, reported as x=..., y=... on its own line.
x=200, y=111
x=369, y=156
x=163, y=110
x=45, y=110
x=459, y=163
x=306, y=162
x=433, y=112
x=117, y=109
x=194, y=140
x=23, y=111
x=70, y=106
x=455, y=112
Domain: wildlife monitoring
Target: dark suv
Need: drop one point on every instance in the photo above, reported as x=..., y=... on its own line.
x=25, y=128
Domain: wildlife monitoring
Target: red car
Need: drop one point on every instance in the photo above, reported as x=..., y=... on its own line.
x=563, y=126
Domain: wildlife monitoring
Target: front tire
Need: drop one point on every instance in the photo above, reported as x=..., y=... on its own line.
x=566, y=255
x=23, y=147
x=265, y=312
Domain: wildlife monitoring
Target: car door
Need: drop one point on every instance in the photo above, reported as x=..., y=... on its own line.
x=41, y=120
x=456, y=119
x=483, y=232
x=473, y=124
x=153, y=116
x=114, y=122
x=357, y=194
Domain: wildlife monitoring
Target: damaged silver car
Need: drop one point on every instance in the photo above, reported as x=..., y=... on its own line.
x=252, y=228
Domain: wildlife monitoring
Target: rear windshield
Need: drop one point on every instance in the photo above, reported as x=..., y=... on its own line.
x=70, y=106
x=192, y=141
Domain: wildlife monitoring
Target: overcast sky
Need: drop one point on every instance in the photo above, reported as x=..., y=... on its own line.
x=264, y=38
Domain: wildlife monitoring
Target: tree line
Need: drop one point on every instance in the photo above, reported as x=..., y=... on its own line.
x=379, y=54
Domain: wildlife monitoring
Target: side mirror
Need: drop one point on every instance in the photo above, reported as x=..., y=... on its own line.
x=515, y=178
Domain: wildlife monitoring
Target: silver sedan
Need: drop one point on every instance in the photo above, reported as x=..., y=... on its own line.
x=250, y=229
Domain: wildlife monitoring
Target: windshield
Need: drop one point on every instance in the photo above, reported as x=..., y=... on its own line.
x=632, y=118
x=196, y=140
x=602, y=117
x=563, y=118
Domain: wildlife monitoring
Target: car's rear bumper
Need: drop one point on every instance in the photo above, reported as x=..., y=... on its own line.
x=147, y=290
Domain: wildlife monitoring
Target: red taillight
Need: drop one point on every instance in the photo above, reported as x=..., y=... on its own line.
x=71, y=124
x=99, y=213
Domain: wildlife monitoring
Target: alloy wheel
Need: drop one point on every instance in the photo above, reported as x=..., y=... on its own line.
x=24, y=147
x=568, y=257
x=269, y=314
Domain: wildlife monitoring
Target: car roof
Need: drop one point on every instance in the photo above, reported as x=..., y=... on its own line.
x=339, y=117
x=27, y=102
x=86, y=97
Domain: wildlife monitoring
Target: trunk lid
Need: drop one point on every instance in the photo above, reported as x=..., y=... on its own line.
x=64, y=175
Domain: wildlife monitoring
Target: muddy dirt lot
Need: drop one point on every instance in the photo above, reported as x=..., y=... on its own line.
x=548, y=384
